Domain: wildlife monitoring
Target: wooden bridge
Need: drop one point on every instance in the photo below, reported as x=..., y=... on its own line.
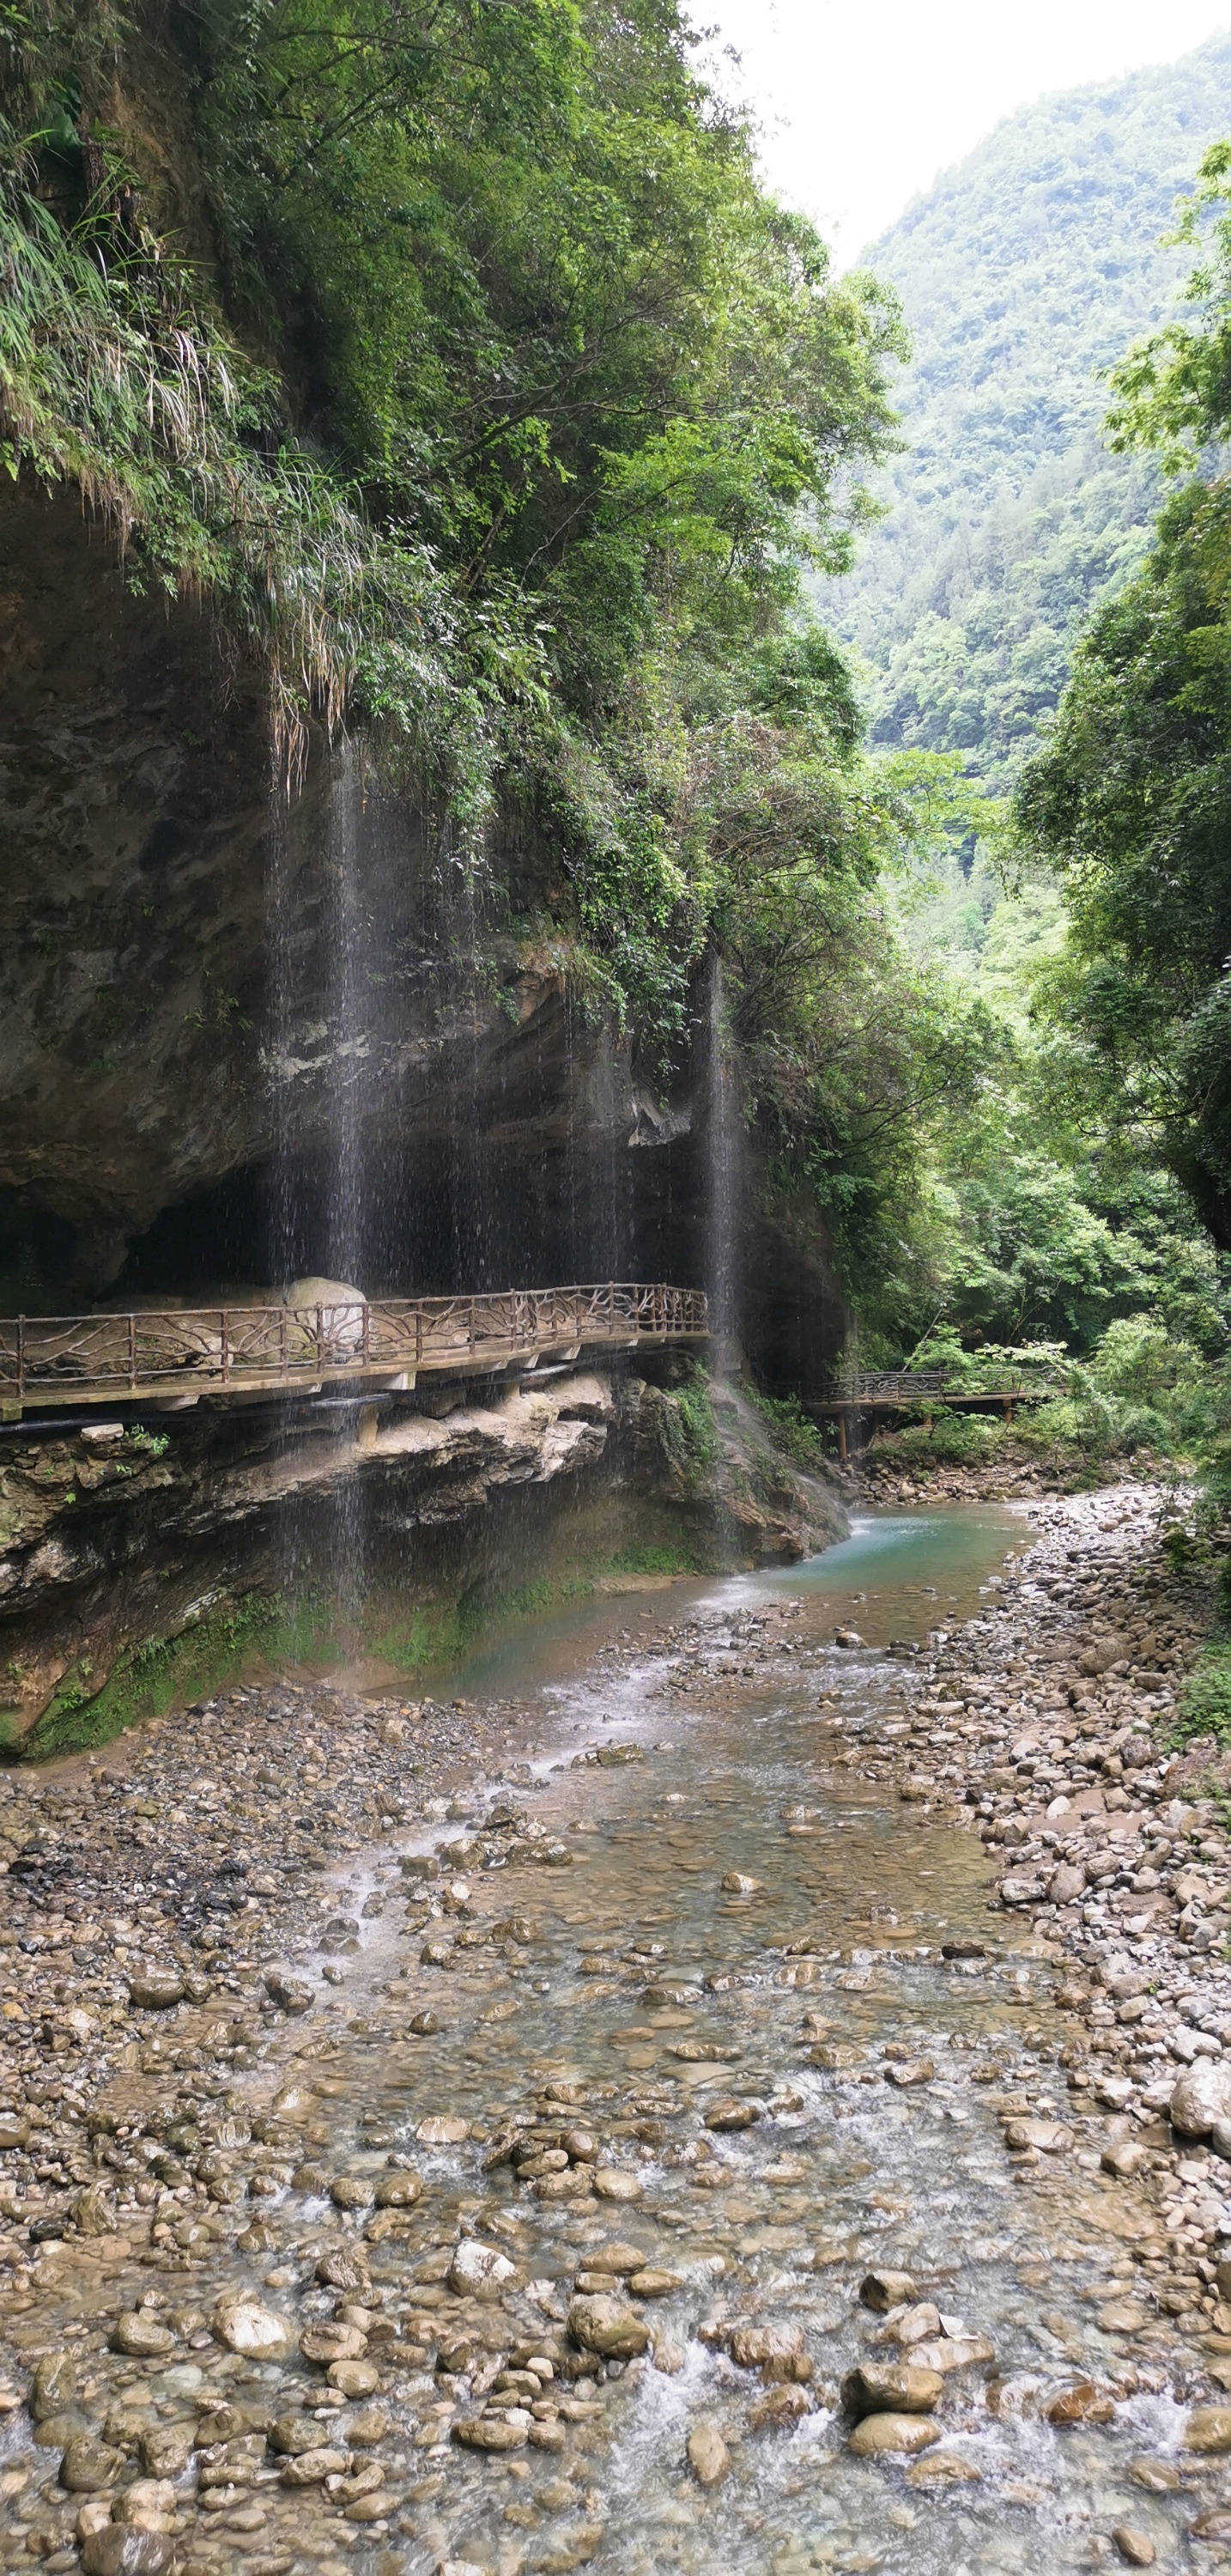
x=174, y=1357
x=923, y=1390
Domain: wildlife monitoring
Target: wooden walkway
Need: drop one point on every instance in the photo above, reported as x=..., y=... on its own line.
x=875, y=1391
x=176, y=1356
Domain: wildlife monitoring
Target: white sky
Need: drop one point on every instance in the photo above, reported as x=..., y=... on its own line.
x=861, y=105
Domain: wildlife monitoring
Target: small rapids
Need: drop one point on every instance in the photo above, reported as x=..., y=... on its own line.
x=710, y=2064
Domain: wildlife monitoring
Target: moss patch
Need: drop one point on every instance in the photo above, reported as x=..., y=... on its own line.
x=259, y=1632
x=162, y=1672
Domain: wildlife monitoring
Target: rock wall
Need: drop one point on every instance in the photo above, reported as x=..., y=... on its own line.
x=242, y=1040
x=224, y=1018
x=135, y=1564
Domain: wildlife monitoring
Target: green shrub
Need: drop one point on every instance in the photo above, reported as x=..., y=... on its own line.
x=792, y=1430
x=1205, y=1701
x=953, y=1440
x=695, y=1405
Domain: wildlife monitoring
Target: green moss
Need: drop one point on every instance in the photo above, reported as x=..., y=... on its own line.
x=654, y=1560
x=161, y=1672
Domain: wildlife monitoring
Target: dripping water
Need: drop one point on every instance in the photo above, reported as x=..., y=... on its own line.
x=724, y=1180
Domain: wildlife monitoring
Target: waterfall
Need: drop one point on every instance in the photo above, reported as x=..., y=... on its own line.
x=349, y=935
x=724, y=1178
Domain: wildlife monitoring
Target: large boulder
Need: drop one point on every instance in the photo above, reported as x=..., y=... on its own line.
x=1202, y=2097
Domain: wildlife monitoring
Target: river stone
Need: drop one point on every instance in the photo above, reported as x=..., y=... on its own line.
x=141, y=2336
x=443, y=2129
x=652, y=2284
x=14, y=2132
x=1135, y=2547
x=735, y=1883
x=1202, y=2097
x=147, y=2505
x=1047, y=2137
x=619, y=2259
x=489, y=2433
x=605, y=2325
x=479, y=2271
x=332, y=2341
x=1086, y=2404
x=370, y=2427
x=1159, y=2477
x=1067, y=1883
x=895, y=2433
x=116, y=2552
x=610, y=2182
x=93, y=2214
x=891, y=2388
x=916, y=2323
x=352, y=2191
x=1124, y=2159
x=166, y=2449
x=343, y=2269
x=399, y=2190
x=89, y=2465
x=951, y=2352
x=55, y=2386
x=916, y=2070
x=1208, y=2430
x=1123, y=2317
x=295, y=2434
x=784, y=2403
x=353, y=2378
x=311, y=2468
x=778, y=2352
x=1022, y=1887
x=708, y=2456
x=884, y=2290
x=155, y=1989
x=943, y=2469
x=730, y=2113
x=1214, y=2525
x=243, y=2325
x=291, y=1994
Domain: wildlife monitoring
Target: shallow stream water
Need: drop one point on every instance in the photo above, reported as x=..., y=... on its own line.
x=630, y=1992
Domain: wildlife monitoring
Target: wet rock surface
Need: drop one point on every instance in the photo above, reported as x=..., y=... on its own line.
x=671, y=2148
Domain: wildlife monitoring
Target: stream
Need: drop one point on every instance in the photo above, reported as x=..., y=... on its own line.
x=710, y=2071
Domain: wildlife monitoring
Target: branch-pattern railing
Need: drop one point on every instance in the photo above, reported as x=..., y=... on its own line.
x=919, y=1386
x=227, y=1349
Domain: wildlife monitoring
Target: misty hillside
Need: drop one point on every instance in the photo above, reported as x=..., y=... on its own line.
x=1023, y=273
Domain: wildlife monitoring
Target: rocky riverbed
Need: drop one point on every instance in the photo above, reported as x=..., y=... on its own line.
x=716, y=2103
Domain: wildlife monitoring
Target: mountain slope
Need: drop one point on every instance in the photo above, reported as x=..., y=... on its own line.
x=1023, y=273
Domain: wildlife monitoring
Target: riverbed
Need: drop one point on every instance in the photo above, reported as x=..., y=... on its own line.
x=597, y=2130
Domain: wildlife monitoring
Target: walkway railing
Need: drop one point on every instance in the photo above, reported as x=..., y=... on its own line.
x=938, y=1385
x=180, y=1354
x=872, y=1391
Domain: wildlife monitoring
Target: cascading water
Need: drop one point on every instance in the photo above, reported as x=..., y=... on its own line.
x=724, y=1178
x=350, y=1051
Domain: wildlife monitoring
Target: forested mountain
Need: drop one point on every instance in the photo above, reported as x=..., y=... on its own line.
x=1024, y=274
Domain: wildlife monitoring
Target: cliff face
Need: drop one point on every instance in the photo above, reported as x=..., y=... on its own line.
x=226, y=1015
x=134, y=1565
x=244, y=1038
